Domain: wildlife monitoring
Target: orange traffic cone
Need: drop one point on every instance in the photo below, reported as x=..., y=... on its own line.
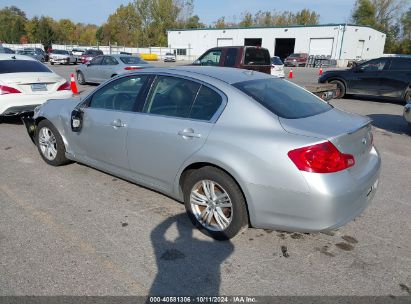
x=73, y=85
x=320, y=72
x=290, y=75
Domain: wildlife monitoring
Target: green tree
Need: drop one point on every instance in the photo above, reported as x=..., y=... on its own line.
x=193, y=22
x=124, y=26
x=12, y=24
x=32, y=30
x=46, y=34
x=306, y=17
x=247, y=20
x=220, y=23
x=364, y=13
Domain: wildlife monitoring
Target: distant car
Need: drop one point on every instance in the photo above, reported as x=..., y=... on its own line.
x=296, y=60
x=126, y=53
x=169, y=57
x=277, y=67
x=239, y=149
x=90, y=54
x=78, y=52
x=25, y=83
x=241, y=57
x=8, y=51
x=385, y=76
x=62, y=57
x=38, y=51
x=33, y=54
x=104, y=67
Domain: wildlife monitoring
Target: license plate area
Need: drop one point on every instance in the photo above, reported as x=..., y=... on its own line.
x=36, y=87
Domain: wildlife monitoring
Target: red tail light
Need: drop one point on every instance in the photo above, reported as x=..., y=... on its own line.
x=64, y=86
x=129, y=68
x=321, y=158
x=7, y=90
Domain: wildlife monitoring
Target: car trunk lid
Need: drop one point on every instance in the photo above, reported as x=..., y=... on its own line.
x=34, y=83
x=350, y=133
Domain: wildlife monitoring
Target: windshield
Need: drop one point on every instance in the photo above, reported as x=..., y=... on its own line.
x=22, y=66
x=132, y=60
x=284, y=98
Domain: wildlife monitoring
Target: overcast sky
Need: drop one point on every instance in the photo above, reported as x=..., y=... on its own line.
x=97, y=11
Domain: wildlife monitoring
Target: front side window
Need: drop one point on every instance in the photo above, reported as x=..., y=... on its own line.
x=283, y=98
x=374, y=65
x=96, y=60
x=171, y=96
x=211, y=58
x=118, y=95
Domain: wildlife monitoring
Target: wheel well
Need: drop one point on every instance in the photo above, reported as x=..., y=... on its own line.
x=339, y=79
x=38, y=119
x=188, y=170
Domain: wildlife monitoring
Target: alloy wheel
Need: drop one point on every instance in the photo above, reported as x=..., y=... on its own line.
x=211, y=205
x=47, y=143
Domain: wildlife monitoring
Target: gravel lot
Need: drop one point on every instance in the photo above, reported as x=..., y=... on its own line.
x=74, y=230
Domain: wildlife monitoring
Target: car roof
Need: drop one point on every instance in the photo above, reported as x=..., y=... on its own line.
x=224, y=74
x=4, y=56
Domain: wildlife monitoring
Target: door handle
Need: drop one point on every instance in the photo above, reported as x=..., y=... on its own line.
x=118, y=124
x=189, y=133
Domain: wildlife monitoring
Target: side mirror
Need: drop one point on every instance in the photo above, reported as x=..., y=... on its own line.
x=76, y=121
x=197, y=62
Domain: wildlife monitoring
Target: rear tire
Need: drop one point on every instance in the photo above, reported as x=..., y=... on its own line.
x=50, y=144
x=80, y=78
x=214, y=203
x=340, y=88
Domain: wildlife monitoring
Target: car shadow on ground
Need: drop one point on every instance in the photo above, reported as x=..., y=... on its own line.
x=186, y=265
x=12, y=120
x=377, y=99
x=389, y=122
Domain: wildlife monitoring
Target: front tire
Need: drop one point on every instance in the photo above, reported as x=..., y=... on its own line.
x=50, y=144
x=214, y=203
x=340, y=88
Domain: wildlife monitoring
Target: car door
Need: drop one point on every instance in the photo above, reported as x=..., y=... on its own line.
x=173, y=124
x=107, y=68
x=396, y=78
x=366, y=78
x=106, y=118
x=93, y=68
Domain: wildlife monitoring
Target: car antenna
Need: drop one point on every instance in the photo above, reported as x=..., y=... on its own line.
x=13, y=57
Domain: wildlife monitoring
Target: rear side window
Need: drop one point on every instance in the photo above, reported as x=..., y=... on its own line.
x=284, y=98
x=22, y=66
x=401, y=65
x=132, y=60
x=230, y=57
x=257, y=56
x=206, y=104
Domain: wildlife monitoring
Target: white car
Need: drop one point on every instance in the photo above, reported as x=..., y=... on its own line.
x=62, y=57
x=277, y=67
x=169, y=57
x=26, y=83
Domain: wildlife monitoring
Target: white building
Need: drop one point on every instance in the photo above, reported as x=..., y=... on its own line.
x=339, y=41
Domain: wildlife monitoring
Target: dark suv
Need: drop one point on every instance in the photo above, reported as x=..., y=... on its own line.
x=242, y=57
x=90, y=54
x=386, y=76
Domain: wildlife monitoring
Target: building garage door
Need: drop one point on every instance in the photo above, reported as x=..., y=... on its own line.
x=321, y=46
x=224, y=41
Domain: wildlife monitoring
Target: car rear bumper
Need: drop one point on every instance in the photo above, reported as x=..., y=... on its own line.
x=332, y=201
x=11, y=104
x=59, y=60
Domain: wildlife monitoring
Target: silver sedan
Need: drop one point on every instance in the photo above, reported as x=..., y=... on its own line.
x=239, y=148
x=104, y=67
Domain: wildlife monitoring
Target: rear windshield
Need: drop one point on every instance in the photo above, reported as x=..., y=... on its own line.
x=93, y=52
x=22, y=66
x=276, y=61
x=132, y=60
x=257, y=56
x=61, y=52
x=284, y=98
